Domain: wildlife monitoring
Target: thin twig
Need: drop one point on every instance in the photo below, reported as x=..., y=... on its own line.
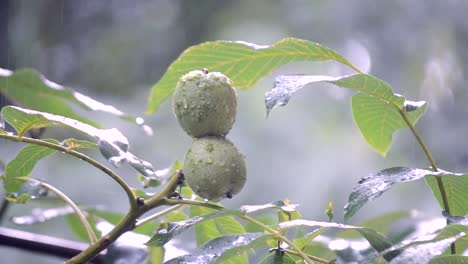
x=314, y=258
x=127, y=223
x=157, y=215
x=106, y=170
x=89, y=230
x=274, y=232
x=431, y=160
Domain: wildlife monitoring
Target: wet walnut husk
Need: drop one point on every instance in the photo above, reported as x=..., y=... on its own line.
x=205, y=104
x=214, y=168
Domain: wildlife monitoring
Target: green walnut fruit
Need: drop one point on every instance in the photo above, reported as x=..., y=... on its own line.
x=214, y=168
x=205, y=104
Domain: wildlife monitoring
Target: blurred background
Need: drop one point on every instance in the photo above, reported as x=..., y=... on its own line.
x=309, y=151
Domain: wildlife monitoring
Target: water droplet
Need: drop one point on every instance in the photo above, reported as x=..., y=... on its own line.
x=140, y=121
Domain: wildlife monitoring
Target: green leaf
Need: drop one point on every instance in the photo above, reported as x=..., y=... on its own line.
x=242, y=62
x=419, y=251
x=19, y=199
x=381, y=223
x=20, y=85
x=113, y=145
x=378, y=120
x=369, y=188
x=375, y=106
x=156, y=254
x=277, y=258
x=302, y=242
x=456, y=189
x=378, y=241
x=373, y=186
x=23, y=164
x=72, y=143
x=169, y=230
x=76, y=226
x=284, y=206
x=216, y=227
x=24, y=119
x=225, y=249
x=453, y=259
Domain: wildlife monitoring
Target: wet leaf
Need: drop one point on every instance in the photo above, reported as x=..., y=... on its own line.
x=215, y=227
x=169, y=230
x=23, y=164
x=351, y=251
x=127, y=253
x=244, y=63
x=454, y=259
x=376, y=184
x=419, y=251
x=375, y=107
x=456, y=187
x=277, y=258
x=18, y=86
x=39, y=215
x=226, y=249
x=381, y=223
x=274, y=205
x=19, y=199
x=378, y=241
x=461, y=220
x=2, y=125
x=113, y=145
x=302, y=242
x=24, y=119
x=149, y=181
x=72, y=143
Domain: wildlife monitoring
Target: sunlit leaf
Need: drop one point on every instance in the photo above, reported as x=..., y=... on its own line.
x=225, y=249
x=378, y=241
x=244, y=63
x=376, y=184
x=375, y=108
x=18, y=86
x=215, y=227
x=454, y=259
x=23, y=164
